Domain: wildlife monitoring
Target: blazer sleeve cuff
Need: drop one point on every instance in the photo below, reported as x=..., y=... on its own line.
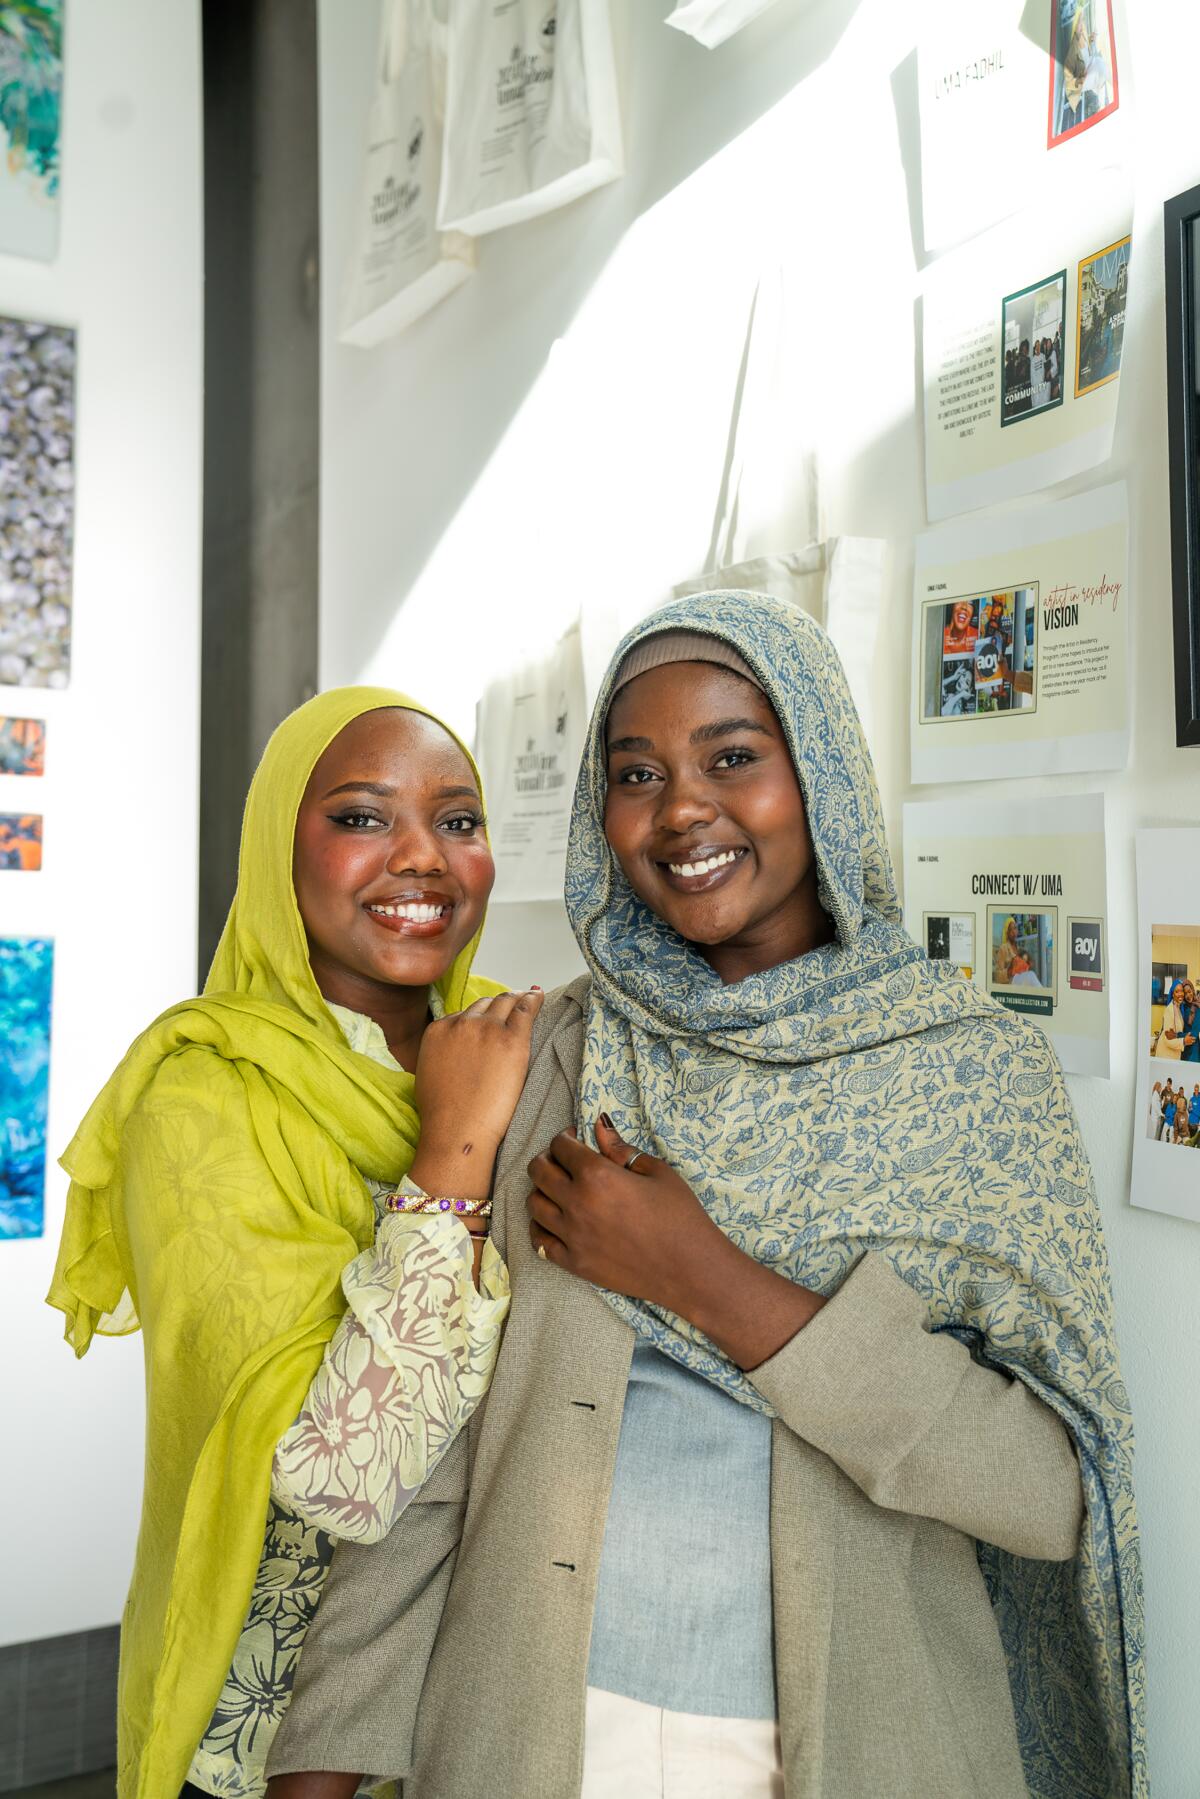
x=864, y=1380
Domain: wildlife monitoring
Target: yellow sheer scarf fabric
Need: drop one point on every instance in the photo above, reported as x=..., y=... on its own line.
x=216, y=1194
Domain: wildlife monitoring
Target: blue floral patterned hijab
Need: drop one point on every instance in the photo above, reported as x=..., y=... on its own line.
x=865, y=1098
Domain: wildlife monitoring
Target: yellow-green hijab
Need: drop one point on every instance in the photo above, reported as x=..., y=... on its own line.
x=216, y=1196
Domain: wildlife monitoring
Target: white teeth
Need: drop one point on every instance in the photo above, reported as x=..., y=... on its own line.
x=411, y=910
x=705, y=867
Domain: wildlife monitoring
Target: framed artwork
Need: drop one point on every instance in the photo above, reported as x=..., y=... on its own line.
x=1182, y=244
x=1031, y=349
x=31, y=77
x=37, y=480
x=1083, y=68
x=26, y=975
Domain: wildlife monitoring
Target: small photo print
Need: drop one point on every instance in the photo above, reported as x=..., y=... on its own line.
x=978, y=655
x=1100, y=333
x=950, y=937
x=1083, y=67
x=22, y=746
x=21, y=840
x=1174, y=1021
x=1173, y=1112
x=1023, y=948
x=1085, y=954
x=1032, y=349
x=26, y=970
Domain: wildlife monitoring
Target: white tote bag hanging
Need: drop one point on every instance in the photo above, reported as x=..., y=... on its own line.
x=838, y=581
x=532, y=113
x=400, y=264
x=710, y=22
x=530, y=727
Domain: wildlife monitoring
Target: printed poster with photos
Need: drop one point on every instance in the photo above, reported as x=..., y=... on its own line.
x=1014, y=892
x=31, y=76
x=1023, y=335
x=1167, y=1084
x=1021, y=642
x=1005, y=87
x=26, y=977
x=529, y=736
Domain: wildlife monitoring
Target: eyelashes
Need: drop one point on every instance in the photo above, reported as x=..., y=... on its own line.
x=359, y=819
x=640, y=776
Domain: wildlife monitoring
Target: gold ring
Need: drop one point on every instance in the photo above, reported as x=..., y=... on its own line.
x=542, y=1252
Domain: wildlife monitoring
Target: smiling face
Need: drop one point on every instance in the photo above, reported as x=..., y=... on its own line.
x=705, y=816
x=391, y=866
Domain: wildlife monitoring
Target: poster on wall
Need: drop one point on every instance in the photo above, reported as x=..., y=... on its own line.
x=37, y=477
x=1005, y=86
x=1023, y=337
x=1167, y=1082
x=22, y=746
x=1014, y=892
x=529, y=734
x=1021, y=642
x=26, y=973
x=31, y=71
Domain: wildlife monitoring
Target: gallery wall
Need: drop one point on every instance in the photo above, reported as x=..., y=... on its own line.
x=117, y=891
x=551, y=439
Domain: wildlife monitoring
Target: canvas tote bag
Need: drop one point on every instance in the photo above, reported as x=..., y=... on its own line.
x=400, y=264
x=710, y=22
x=532, y=114
x=839, y=581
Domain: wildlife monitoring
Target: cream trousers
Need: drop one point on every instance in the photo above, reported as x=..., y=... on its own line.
x=636, y=1751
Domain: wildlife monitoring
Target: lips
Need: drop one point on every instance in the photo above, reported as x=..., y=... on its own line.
x=410, y=914
x=704, y=867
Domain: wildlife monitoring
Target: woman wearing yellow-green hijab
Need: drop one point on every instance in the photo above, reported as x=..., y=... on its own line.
x=249, y=1188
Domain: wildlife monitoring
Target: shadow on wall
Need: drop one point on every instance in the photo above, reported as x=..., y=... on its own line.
x=444, y=394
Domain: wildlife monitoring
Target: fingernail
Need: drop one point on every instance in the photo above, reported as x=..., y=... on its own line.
x=535, y=988
x=606, y=1120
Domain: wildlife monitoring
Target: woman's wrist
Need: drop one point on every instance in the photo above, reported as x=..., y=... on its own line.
x=741, y=1305
x=458, y=1166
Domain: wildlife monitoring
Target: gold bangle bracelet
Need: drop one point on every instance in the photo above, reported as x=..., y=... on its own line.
x=428, y=1202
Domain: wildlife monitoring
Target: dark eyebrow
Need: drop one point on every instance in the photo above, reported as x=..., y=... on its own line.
x=379, y=788
x=382, y=791
x=725, y=727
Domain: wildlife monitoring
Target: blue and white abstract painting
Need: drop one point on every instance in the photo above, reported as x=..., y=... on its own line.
x=26, y=980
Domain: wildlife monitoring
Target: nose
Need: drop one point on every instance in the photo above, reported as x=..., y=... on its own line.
x=683, y=805
x=416, y=849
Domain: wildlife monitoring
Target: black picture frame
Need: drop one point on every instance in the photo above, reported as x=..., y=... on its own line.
x=1181, y=232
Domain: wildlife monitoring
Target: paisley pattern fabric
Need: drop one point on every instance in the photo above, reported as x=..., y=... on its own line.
x=864, y=1098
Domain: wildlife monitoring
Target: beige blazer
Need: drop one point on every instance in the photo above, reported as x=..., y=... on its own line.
x=454, y=1654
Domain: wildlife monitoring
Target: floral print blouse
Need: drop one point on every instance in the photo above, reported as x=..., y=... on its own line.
x=409, y=1362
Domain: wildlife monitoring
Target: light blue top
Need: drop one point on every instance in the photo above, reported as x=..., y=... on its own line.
x=683, y=1608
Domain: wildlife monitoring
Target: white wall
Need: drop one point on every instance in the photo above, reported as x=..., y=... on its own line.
x=118, y=890
x=553, y=436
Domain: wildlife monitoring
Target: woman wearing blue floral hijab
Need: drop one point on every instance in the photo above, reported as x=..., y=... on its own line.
x=807, y=1462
